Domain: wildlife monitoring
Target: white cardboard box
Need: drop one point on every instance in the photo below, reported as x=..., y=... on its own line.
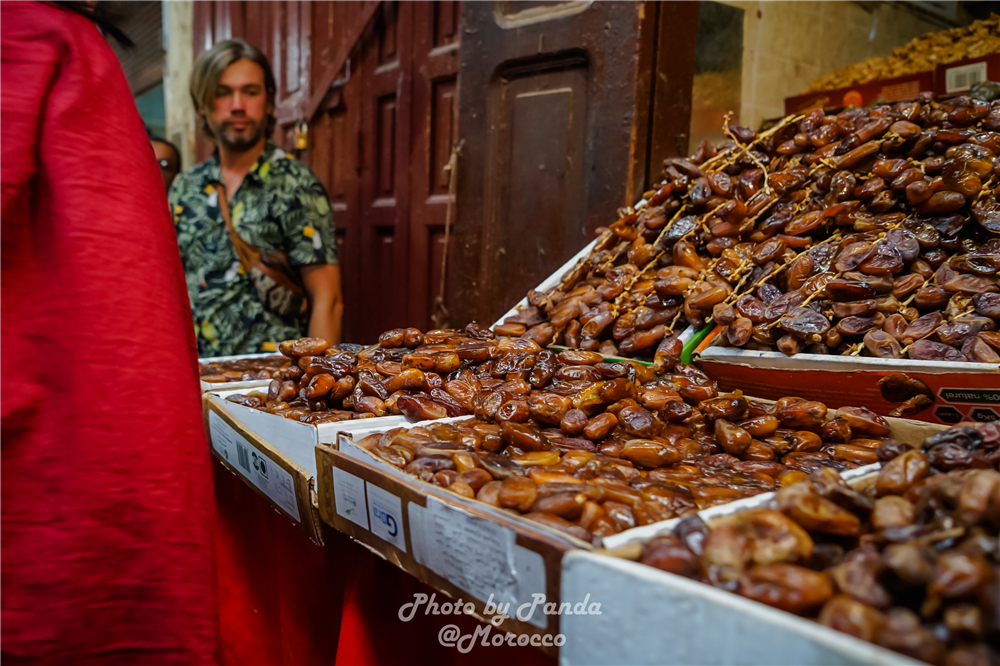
x=705, y=625
x=650, y=616
x=274, y=455
x=294, y=439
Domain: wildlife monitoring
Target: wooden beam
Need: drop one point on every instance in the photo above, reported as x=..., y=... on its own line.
x=672, y=81
x=329, y=76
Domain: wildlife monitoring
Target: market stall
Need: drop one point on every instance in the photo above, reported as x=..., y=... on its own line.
x=570, y=452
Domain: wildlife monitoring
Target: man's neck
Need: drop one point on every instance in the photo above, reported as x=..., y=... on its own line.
x=242, y=161
x=235, y=165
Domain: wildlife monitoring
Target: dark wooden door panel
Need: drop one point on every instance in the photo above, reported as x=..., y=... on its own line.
x=384, y=74
x=535, y=180
x=287, y=46
x=434, y=122
x=385, y=151
x=548, y=111
x=443, y=126
x=444, y=16
x=333, y=160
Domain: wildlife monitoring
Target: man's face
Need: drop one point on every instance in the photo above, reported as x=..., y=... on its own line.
x=239, y=114
x=168, y=162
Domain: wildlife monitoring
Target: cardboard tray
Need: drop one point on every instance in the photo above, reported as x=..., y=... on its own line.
x=274, y=455
x=649, y=616
x=465, y=549
x=963, y=391
x=707, y=626
x=898, y=89
x=225, y=386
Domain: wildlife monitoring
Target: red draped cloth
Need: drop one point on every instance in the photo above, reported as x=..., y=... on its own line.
x=287, y=602
x=107, y=505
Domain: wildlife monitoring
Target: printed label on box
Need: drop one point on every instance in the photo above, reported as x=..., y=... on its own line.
x=970, y=395
x=476, y=555
x=528, y=573
x=962, y=78
x=968, y=404
x=253, y=465
x=386, y=512
x=349, y=496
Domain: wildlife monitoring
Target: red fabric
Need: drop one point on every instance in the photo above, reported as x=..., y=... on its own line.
x=373, y=635
x=280, y=595
x=107, y=513
x=287, y=602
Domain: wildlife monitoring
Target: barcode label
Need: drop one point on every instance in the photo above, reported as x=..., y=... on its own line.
x=271, y=479
x=962, y=78
x=244, y=456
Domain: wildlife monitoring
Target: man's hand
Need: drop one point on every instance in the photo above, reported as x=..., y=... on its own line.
x=322, y=283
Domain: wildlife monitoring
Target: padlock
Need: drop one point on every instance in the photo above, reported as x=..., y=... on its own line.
x=302, y=136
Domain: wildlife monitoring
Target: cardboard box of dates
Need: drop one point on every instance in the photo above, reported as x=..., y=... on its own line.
x=432, y=441
x=469, y=550
x=455, y=543
x=866, y=238
x=323, y=390
x=240, y=371
x=894, y=566
x=954, y=392
x=273, y=455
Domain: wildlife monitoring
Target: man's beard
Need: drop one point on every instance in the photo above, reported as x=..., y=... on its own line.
x=236, y=143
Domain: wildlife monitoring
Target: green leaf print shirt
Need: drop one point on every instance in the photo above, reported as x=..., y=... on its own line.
x=279, y=206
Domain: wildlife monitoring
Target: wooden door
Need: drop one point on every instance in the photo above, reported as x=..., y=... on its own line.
x=435, y=48
x=554, y=110
x=334, y=153
x=380, y=143
x=286, y=26
x=384, y=72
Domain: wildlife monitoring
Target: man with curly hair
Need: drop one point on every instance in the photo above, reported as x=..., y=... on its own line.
x=276, y=207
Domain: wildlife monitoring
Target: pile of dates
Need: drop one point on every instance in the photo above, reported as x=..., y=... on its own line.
x=872, y=232
x=243, y=369
x=911, y=562
x=421, y=376
x=599, y=448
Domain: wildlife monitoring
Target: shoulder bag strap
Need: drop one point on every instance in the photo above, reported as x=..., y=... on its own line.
x=248, y=255
x=273, y=264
